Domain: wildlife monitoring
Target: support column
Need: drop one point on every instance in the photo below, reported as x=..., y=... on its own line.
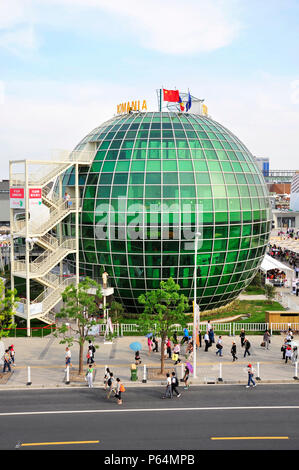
x=27, y=257
x=12, y=247
x=77, y=221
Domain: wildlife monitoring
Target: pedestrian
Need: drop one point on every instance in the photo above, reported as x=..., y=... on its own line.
x=168, y=346
x=209, y=326
x=199, y=338
x=12, y=354
x=111, y=385
x=68, y=357
x=247, y=346
x=92, y=350
x=137, y=358
x=106, y=378
x=150, y=345
x=283, y=349
x=155, y=341
x=234, y=351
x=294, y=356
x=174, y=385
x=176, y=354
x=186, y=336
x=219, y=346
x=189, y=351
x=207, y=341
x=89, y=376
x=186, y=378
x=168, y=392
x=242, y=336
x=266, y=339
x=119, y=390
x=288, y=353
x=67, y=199
x=250, y=376
x=175, y=337
x=6, y=361
x=211, y=335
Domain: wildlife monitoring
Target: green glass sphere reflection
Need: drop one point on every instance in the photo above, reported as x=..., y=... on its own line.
x=156, y=179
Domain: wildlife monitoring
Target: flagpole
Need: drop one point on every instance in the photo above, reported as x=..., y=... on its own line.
x=161, y=99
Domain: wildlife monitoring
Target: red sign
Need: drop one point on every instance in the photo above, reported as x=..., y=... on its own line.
x=35, y=193
x=16, y=193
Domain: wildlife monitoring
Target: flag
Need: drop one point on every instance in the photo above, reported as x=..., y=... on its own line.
x=171, y=95
x=189, y=102
x=181, y=104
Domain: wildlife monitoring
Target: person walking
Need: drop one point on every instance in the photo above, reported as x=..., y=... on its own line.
x=219, y=346
x=242, y=336
x=250, y=376
x=199, y=338
x=89, y=376
x=92, y=351
x=175, y=337
x=283, y=349
x=207, y=341
x=247, y=346
x=288, y=354
x=12, y=354
x=211, y=335
x=176, y=352
x=186, y=378
x=266, y=339
x=168, y=346
x=106, y=378
x=234, y=351
x=168, y=392
x=68, y=357
x=119, y=390
x=111, y=385
x=137, y=358
x=186, y=336
x=6, y=361
x=155, y=341
x=174, y=385
x=294, y=357
x=150, y=345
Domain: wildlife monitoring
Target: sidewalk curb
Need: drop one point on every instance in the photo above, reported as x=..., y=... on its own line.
x=143, y=385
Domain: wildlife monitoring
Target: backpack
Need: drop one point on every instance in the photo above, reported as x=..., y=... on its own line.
x=122, y=388
x=175, y=381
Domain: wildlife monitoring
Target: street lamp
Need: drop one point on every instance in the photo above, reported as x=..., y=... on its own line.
x=197, y=235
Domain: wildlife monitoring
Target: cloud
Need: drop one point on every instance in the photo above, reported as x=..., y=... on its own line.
x=166, y=26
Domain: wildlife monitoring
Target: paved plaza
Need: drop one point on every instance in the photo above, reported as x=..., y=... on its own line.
x=45, y=357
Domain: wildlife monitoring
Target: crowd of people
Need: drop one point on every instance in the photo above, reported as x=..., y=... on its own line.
x=284, y=255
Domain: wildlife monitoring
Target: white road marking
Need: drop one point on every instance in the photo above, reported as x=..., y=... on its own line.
x=151, y=410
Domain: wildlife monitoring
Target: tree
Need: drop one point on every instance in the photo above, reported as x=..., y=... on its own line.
x=163, y=307
x=79, y=305
x=8, y=301
x=270, y=292
x=116, y=310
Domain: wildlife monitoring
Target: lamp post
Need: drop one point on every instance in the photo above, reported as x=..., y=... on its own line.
x=197, y=235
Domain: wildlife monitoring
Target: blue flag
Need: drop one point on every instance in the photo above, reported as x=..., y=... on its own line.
x=189, y=102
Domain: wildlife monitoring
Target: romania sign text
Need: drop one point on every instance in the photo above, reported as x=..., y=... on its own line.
x=131, y=106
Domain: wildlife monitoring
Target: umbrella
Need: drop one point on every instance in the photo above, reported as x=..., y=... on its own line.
x=135, y=346
x=189, y=367
x=149, y=335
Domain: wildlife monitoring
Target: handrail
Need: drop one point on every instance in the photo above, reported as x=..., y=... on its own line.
x=57, y=213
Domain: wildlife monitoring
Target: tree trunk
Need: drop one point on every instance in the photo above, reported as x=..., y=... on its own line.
x=162, y=353
x=81, y=351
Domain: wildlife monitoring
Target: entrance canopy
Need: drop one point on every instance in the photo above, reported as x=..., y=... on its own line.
x=270, y=263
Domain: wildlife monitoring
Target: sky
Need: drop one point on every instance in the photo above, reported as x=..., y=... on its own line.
x=66, y=64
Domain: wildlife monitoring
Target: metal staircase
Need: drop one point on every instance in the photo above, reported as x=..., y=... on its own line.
x=46, y=232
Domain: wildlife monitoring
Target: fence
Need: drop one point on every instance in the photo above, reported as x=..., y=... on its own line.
x=39, y=332
x=225, y=328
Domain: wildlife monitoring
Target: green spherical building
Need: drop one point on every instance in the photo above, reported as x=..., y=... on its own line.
x=157, y=179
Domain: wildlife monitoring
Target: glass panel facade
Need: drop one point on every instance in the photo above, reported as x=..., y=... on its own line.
x=157, y=178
